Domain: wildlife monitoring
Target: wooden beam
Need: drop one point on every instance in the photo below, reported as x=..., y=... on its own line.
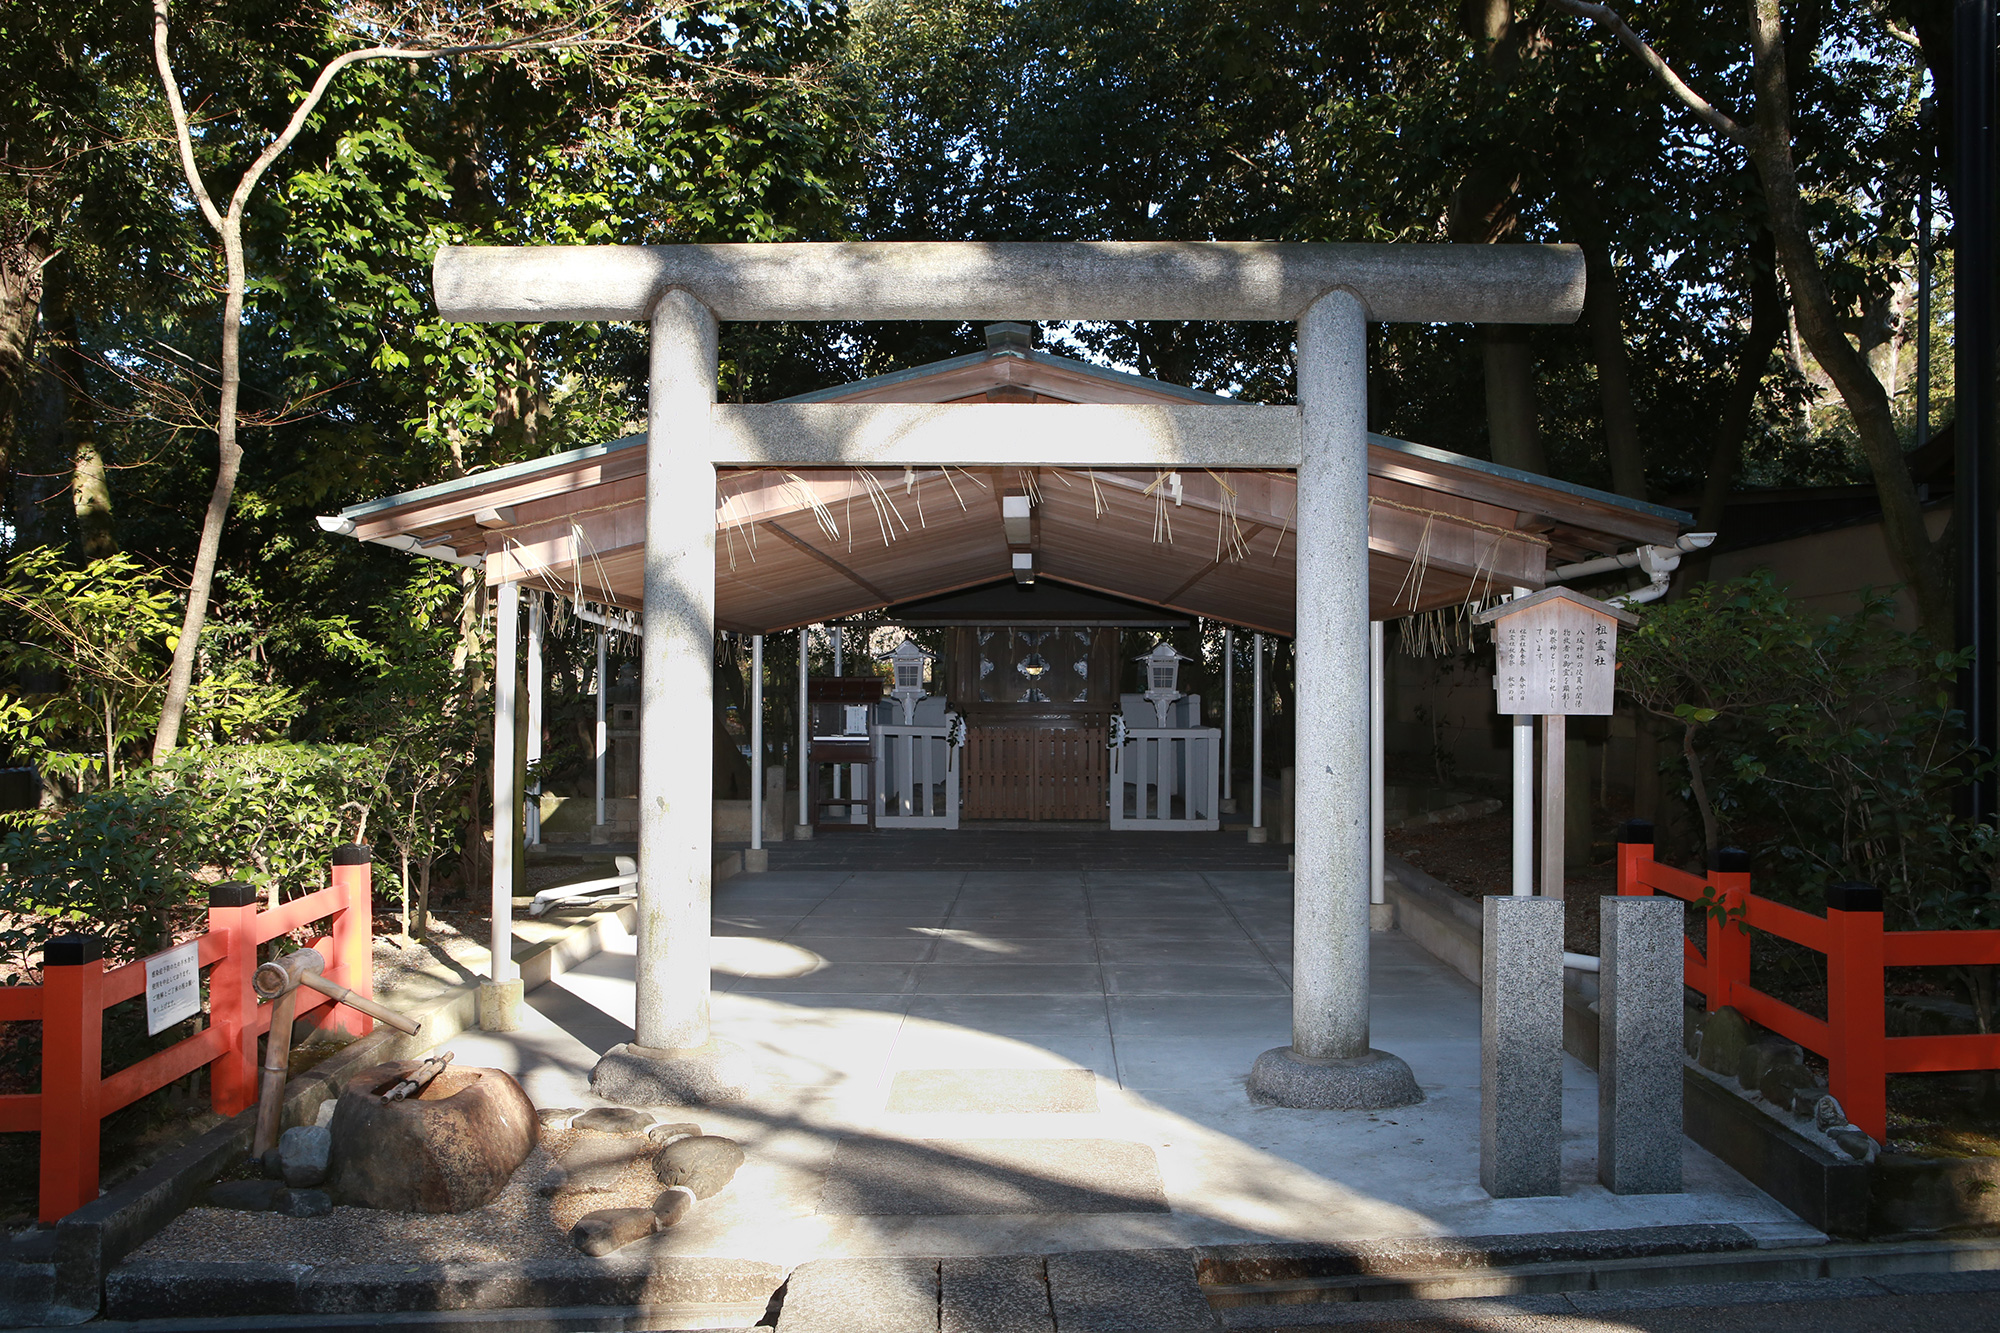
x=1212, y=565
x=831, y=563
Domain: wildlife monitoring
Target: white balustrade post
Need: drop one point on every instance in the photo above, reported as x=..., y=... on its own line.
x=672, y=1059
x=499, y=1000
x=1329, y=1064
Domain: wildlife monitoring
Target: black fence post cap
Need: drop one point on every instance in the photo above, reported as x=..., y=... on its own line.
x=72, y=951
x=353, y=854
x=232, y=893
x=1636, y=831
x=1853, y=896
x=1730, y=861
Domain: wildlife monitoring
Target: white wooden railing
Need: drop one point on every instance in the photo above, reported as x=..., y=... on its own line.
x=916, y=771
x=1167, y=779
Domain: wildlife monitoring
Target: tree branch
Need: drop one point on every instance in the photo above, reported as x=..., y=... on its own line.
x=181, y=132
x=1605, y=16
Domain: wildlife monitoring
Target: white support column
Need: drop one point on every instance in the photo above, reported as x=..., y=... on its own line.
x=500, y=995
x=1524, y=799
x=1378, y=762
x=756, y=859
x=839, y=669
x=1329, y=1064
x=672, y=1060
x=1228, y=718
x=805, y=736
x=531, y=815
x=1258, y=833
x=599, y=747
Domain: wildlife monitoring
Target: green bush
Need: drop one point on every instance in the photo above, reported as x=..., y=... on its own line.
x=1827, y=746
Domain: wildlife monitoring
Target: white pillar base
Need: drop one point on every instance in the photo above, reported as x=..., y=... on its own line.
x=500, y=1005
x=712, y=1075
x=1260, y=835
x=1372, y=1082
x=756, y=860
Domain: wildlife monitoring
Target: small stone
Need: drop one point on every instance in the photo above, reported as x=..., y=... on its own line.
x=1806, y=1098
x=703, y=1164
x=554, y=1183
x=1827, y=1113
x=557, y=1117
x=1724, y=1035
x=1764, y=1054
x=613, y=1120
x=1691, y=1030
x=271, y=1164
x=249, y=1196
x=681, y=1129
x=301, y=1203
x=303, y=1153
x=609, y=1229
x=672, y=1205
x=1855, y=1143
x=1781, y=1085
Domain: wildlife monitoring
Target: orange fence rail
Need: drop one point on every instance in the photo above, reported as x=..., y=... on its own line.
x=76, y=1094
x=1853, y=1036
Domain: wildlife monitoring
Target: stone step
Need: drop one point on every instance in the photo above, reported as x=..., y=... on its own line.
x=1096, y=1291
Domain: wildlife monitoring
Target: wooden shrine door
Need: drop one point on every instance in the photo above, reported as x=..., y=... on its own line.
x=1035, y=772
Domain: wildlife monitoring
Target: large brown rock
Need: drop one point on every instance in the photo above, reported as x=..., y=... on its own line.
x=449, y=1150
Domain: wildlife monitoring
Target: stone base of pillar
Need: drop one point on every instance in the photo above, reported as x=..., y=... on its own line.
x=1228, y=805
x=1381, y=916
x=1260, y=834
x=500, y=1005
x=1372, y=1082
x=802, y=832
x=756, y=860
x=634, y=1075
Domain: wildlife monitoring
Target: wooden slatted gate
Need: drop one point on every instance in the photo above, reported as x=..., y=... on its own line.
x=1036, y=773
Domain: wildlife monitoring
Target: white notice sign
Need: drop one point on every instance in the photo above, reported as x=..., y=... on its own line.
x=173, y=986
x=1554, y=654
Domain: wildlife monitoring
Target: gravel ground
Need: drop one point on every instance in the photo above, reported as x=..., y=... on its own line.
x=524, y=1222
x=515, y=1226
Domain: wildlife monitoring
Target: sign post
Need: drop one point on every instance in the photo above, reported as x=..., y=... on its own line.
x=1555, y=655
x=173, y=987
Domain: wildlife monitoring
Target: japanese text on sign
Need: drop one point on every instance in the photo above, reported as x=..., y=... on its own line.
x=1555, y=658
x=173, y=986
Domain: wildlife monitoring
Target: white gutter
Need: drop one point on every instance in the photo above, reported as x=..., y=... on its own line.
x=344, y=527
x=1657, y=563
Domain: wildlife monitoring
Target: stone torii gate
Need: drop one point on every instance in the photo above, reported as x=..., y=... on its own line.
x=1331, y=291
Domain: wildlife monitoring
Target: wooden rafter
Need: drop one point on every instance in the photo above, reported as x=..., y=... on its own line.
x=830, y=562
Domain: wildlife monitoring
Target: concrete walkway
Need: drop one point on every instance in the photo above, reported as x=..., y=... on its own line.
x=994, y=1062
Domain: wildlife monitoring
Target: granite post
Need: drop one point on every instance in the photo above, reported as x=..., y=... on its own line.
x=1520, y=1047
x=499, y=1002
x=1639, y=1045
x=1329, y=1065
x=672, y=1059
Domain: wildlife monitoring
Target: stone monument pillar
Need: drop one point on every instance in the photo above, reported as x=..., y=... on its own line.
x=1639, y=1045
x=1329, y=1065
x=1520, y=1047
x=672, y=1059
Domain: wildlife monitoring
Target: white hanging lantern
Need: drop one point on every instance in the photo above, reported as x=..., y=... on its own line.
x=908, y=661
x=1163, y=673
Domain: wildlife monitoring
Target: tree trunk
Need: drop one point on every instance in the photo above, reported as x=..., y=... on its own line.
x=1768, y=318
x=1603, y=311
x=24, y=250
x=1916, y=558
x=229, y=458
x=1513, y=433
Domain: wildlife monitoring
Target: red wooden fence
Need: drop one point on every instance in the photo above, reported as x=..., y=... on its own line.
x=1860, y=1054
x=75, y=1094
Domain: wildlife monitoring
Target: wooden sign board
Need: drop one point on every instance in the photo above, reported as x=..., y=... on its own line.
x=1555, y=652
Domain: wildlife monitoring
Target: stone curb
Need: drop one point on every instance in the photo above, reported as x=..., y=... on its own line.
x=1600, y=1285
x=91, y=1240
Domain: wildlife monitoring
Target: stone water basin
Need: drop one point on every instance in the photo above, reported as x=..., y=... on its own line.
x=449, y=1149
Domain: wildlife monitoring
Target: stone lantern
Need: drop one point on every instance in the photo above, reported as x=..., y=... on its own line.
x=908, y=660
x=1163, y=672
